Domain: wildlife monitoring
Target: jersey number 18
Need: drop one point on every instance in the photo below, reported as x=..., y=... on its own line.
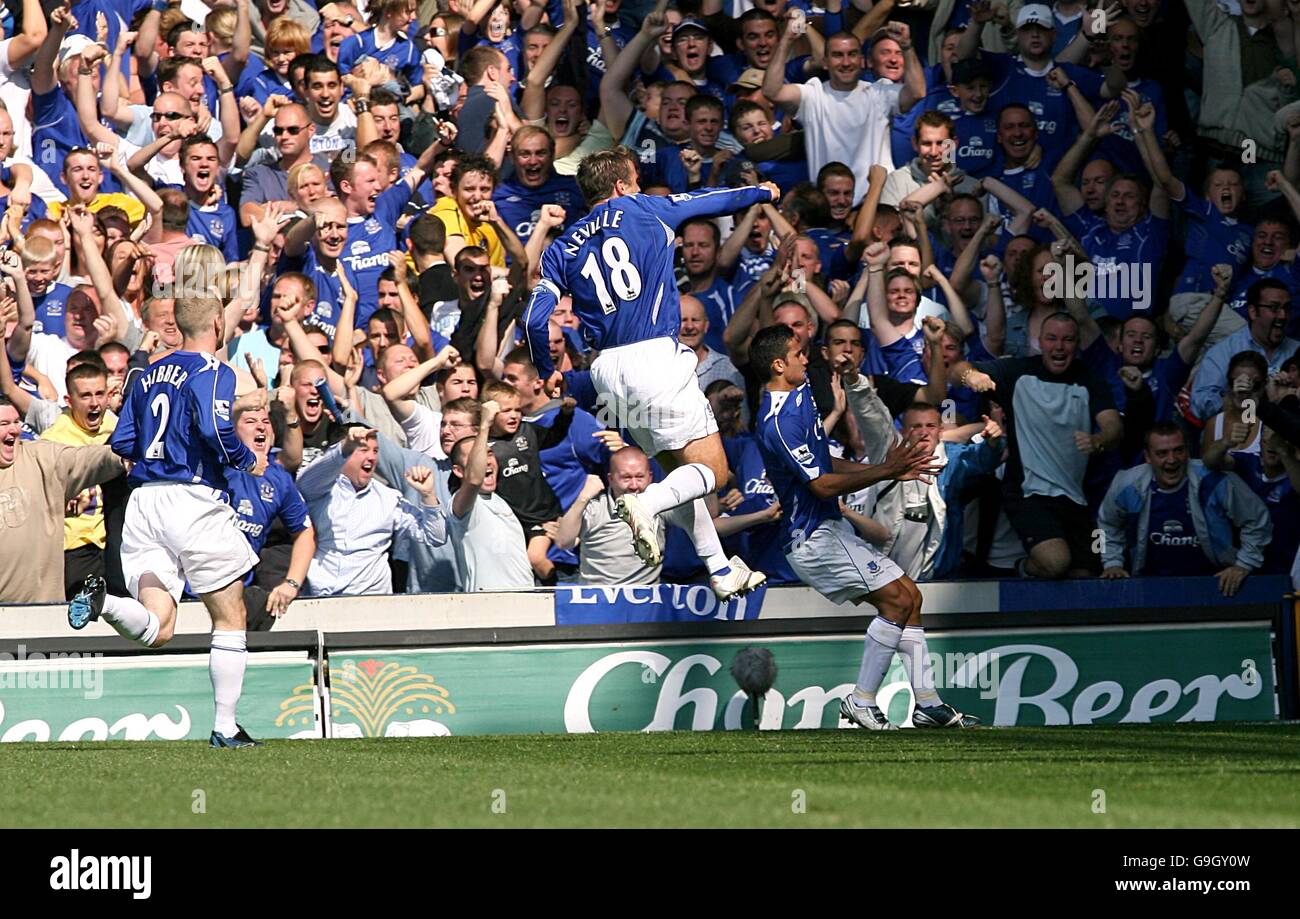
x=623, y=276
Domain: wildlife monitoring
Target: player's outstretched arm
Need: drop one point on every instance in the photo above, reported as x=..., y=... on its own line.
x=905, y=461
x=675, y=210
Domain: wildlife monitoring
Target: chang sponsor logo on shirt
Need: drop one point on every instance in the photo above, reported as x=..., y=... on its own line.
x=1172, y=535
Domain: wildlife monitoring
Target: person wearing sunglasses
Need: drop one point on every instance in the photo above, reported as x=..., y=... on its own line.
x=266, y=178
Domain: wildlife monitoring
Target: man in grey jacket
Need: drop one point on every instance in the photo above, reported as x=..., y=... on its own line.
x=924, y=519
x=1174, y=517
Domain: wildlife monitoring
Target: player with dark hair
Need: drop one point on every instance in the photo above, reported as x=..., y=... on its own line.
x=617, y=262
x=823, y=548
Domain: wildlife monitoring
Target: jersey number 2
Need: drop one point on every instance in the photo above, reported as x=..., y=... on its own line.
x=623, y=276
x=159, y=408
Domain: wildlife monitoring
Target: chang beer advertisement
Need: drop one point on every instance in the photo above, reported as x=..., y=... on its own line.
x=157, y=697
x=1021, y=677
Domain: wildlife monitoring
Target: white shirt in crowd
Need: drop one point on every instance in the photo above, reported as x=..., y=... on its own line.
x=848, y=126
x=490, y=548
x=355, y=529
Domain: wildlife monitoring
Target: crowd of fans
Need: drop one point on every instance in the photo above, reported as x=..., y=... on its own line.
x=1055, y=244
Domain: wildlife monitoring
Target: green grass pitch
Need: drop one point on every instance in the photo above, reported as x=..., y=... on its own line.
x=1194, y=775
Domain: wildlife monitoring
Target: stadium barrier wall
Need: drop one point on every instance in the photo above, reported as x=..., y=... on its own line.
x=655, y=659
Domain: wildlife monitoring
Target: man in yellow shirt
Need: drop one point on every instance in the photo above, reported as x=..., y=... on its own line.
x=83, y=175
x=88, y=420
x=470, y=216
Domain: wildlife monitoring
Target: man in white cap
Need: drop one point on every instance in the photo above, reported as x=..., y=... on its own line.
x=1022, y=77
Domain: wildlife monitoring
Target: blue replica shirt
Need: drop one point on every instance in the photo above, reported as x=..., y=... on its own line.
x=902, y=127
x=1120, y=146
x=720, y=303
x=653, y=148
x=750, y=267
x=977, y=137
x=1283, y=503
x=329, y=295
x=1127, y=263
x=831, y=246
x=400, y=55
x=258, y=500
x=618, y=265
x=762, y=546
x=1212, y=239
x=1057, y=125
x=405, y=163
x=795, y=451
x=35, y=211
x=175, y=423
x=215, y=225
x=370, y=239
x=50, y=317
x=900, y=360
x=1165, y=379
x=265, y=84
x=55, y=132
x=521, y=206
x=1173, y=549
x=1286, y=273
x=1034, y=184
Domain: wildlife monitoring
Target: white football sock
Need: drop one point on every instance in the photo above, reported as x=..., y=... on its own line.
x=226, y=663
x=694, y=519
x=883, y=637
x=131, y=619
x=916, y=663
x=683, y=484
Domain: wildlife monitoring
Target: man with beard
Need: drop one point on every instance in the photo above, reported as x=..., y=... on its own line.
x=535, y=183
x=1052, y=404
x=846, y=119
x=1173, y=517
x=1268, y=308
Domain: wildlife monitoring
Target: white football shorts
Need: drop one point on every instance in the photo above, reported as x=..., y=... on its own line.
x=839, y=565
x=182, y=532
x=650, y=389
